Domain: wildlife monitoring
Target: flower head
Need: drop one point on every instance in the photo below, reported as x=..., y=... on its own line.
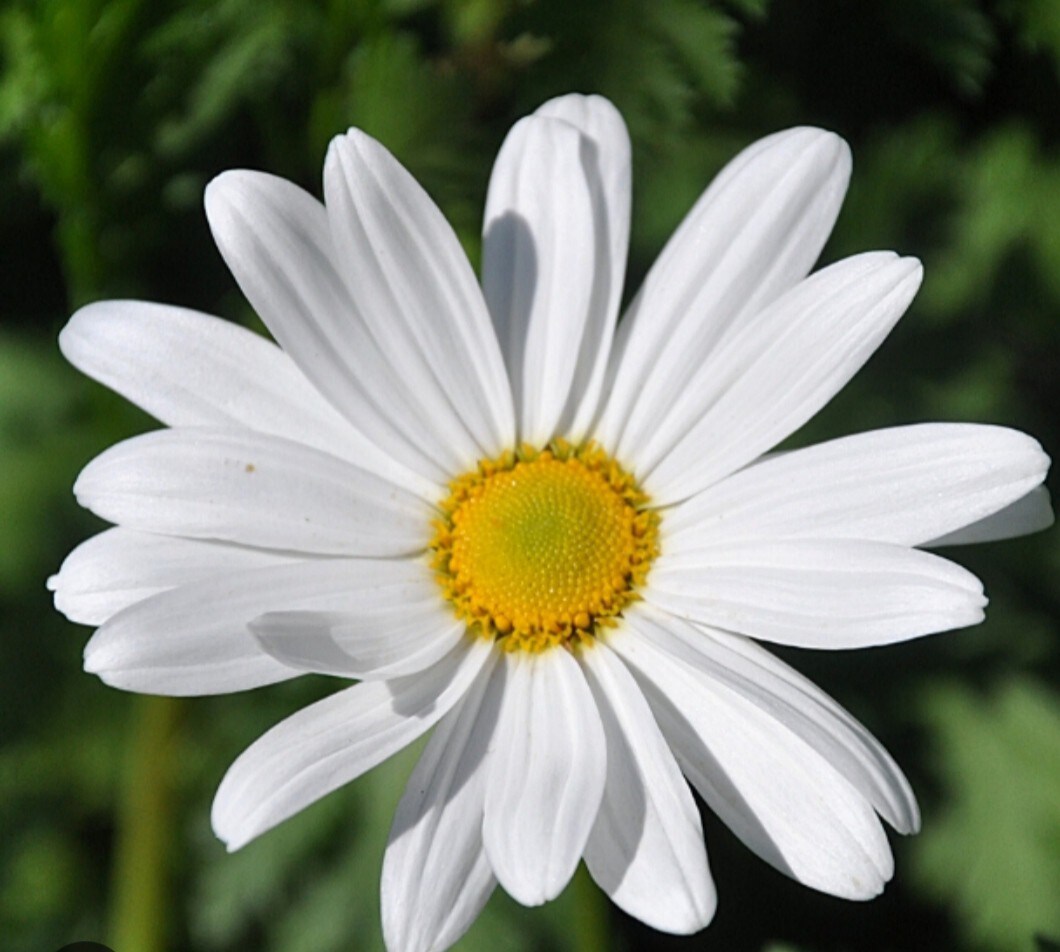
x=550, y=540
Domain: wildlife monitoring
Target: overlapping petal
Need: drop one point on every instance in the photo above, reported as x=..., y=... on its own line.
x=754, y=233
x=1028, y=514
x=120, y=567
x=774, y=791
x=795, y=703
x=394, y=623
x=416, y=295
x=191, y=369
x=245, y=487
x=330, y=743
x=277, y=241
x=436, y=877
x=770, y=375
x=607, y=161
x=543, y=247
x=546, y=775
x=818, y=594
x=194, y=639
x=907, y=485
x=646, y=848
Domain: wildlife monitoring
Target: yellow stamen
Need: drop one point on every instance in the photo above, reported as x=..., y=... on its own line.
x=539, y=547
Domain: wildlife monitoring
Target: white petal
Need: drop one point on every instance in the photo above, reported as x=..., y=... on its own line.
x=540, y=273
x=607, y=161
x=771, y=374
x=794, y=702
x=905, y=485
x=121, y=567
x=1031, y=513
x=755, y=232
x=416, y=294
x=818, y=594
x=436, y=877
x=277, y=241
x=646, y=848
x=785, y=801
x=371, y=646
x=399, y=624
x=330, y=743
x=546, y=775
x=190, y=369
x=194, y=639
x=246, y=487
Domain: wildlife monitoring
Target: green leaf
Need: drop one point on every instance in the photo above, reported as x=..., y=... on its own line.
x=1038, y=24
x=227, y=55
x=236, y=891
x=703, y=41
x=955, y=35
x=991, y=850
x=425, y=133
x=322, y=917
x=39, y=448
x=658, y=60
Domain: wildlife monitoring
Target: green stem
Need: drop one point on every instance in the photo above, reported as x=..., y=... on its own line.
x=140, y=887
x=591, y=929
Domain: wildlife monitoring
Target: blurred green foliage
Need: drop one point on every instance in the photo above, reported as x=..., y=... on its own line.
x=999, y=758
x=113, y=116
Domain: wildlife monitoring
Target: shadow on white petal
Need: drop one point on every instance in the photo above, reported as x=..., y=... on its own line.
x=436, y=877
x=1027, y=515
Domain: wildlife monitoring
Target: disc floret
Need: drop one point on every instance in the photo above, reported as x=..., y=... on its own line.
x=538, y=547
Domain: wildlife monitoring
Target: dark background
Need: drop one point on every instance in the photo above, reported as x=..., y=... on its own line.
x=113, y=116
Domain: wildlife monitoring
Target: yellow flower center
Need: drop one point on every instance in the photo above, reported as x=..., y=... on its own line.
x=539, y=547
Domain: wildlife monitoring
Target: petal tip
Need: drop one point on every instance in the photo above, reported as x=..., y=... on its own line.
x=822, y=144
x=564, y=106
x=223, y=823
x=351, y=151
x=914, y=267
x=833, y=148
x=79, y=339
x=95, y=665
x=226, y=192
x=231, y=843
x=218, y=187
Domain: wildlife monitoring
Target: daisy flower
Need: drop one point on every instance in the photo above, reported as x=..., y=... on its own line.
x=554, y=538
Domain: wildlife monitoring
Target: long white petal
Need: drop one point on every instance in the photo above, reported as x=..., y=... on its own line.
x=906, y=485
x=1030, y=513
x=246, y=487
x=795, y=703
x=191, y=369
x=770, y=375
x=540, y=265
x=646, y=848
x=194, y=639
x=607, y=161
x=775, y=792
x=330, y=743
x=818, y=594
x=121, y=567
x=546, y=775
x=436, y=877
x=396, y=623
x=417, y=296
x=370, y=647
x=754, y=233
x=277, y=241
